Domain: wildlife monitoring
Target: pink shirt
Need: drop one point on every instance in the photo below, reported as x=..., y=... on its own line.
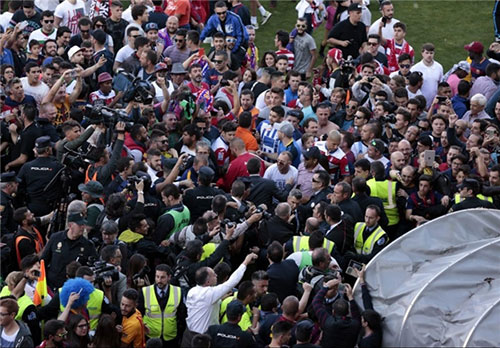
x=453, y=81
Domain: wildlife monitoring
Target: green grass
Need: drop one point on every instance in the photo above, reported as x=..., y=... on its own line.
x=449, y=25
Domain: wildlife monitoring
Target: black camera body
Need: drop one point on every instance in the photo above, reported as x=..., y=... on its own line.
x=142, y=273
x=391, y=118
x=265, y=213
x=139, y=91
x=227, y=223
x=102, y=270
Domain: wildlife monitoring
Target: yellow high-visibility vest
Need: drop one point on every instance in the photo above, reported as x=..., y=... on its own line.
x=365, y=247
x=161, y=324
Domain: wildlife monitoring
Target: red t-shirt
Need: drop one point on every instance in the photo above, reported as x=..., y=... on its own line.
x=182, y=7
x=237, y=168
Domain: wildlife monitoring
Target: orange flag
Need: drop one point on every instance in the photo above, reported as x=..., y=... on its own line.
x=41, y=292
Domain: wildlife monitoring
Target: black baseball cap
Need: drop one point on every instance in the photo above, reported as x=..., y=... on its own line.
x=312, y=152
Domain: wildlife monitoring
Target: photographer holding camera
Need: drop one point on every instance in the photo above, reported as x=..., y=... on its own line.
x=114, y=282
x=365, y=89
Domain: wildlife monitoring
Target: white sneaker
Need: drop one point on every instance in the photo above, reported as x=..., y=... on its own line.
x=255, y=25
x=266, y=17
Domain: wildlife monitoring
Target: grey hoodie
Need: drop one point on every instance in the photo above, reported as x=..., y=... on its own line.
x=23, y=338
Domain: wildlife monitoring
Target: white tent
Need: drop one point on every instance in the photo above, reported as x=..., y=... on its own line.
x=439, y=284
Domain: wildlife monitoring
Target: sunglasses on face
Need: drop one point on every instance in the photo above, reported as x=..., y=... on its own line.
x=217, y=61
x=179, y=40
x=85, y=31
x=405, y=66
x=221, y=13
x=48, y=21
x=372, y=43
x=135, y=36
x=99, y=26
x=358, y=117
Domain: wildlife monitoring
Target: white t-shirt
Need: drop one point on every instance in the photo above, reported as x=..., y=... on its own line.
x=8, y=340
x=37, y=92
x=5, y=19
x=432, y=76
x=70, y=14
x=45, y=5
x=127, y=14
x=124, y=53
x=382, y=159
x=274, y=174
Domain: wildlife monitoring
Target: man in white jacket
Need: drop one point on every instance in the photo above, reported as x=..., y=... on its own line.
x=203, y=301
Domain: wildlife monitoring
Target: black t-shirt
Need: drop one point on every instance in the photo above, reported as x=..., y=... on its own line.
x=33, y=22
x=117, y=32
x=256, y=87
x=355, y=34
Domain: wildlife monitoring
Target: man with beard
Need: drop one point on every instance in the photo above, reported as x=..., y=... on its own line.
x=305, y=50
x=168, y=33
x=28, y=240
x=50, y=48
x=282, y=172
x=135, y=141
x=32, y=84
x=63, y=35
x=175, y=218
x=132, y=323
x=196, y=85
x=179, y=52
x=54, y=333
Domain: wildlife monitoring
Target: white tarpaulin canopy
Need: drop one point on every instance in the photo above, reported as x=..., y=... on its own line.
x=439, y=284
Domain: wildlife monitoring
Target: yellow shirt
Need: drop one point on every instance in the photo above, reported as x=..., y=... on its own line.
x=133, y=330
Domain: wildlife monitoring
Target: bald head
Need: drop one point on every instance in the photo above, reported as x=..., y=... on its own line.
x=290, y=306
x=405, y=148
x=398, y=160
x=283, y=211
x=312, y=224
x=237, y=145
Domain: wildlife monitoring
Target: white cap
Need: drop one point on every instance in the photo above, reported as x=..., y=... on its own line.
x=72, y=51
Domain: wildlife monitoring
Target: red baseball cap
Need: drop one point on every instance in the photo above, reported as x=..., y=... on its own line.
x=475, y=46
x=336, y=54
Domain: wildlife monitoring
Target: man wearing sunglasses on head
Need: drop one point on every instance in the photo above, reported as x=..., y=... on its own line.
x=229, y=23
x=397, y=46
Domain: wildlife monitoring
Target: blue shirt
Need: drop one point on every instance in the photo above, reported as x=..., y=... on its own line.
x=308, y=113
x=233, y=26
x=289, y=95
x=294, y=149
x=459, y=105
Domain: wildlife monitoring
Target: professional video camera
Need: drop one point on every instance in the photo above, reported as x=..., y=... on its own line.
x=139, y=91
x=102, y=270
x=227, y=223
x=347, y=66
x=110, y=117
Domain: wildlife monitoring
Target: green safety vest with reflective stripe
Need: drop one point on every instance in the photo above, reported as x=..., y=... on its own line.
x=365, y=247
x=458, y=199
x=23, y=302
x=161, y=324
x=181, y=219
x=386, y=191
x=94, y=306
x=301, y=243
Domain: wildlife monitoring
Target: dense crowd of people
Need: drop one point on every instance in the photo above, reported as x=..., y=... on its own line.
x=159, y=193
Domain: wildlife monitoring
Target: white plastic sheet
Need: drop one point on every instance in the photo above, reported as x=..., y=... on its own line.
x=439, y=284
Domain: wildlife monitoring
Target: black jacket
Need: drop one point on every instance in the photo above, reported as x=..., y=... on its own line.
x=316, y=198
x=276, y=229
x=263, y=190
x=199, y=200
x=60, y=251
x=352, y=208
x=364, y=201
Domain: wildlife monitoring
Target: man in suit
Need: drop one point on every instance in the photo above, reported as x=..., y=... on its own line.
x=341, y=231
x=320, y=185
x=264, y=190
